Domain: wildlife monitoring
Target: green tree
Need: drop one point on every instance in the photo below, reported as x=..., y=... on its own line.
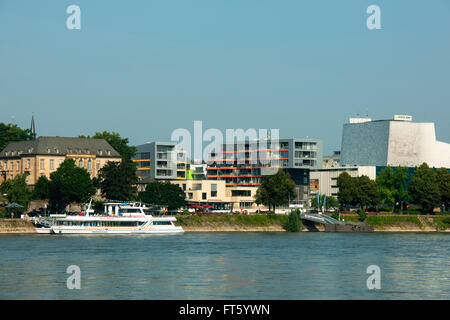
x=165, y=194
x=362, y=215
x=69, y=184
x=5, y=186
x=41, y=189
x=18, y=191
x=11, y=132
x=293, y=223
x=392, y=186
x=360, y=191
x=276, y=190
x=347, y=189
x=443, y=182
x=116, y=179
x=423, y=188
x=366, y=192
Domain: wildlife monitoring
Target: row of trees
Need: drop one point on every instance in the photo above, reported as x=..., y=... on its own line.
x=428, y=188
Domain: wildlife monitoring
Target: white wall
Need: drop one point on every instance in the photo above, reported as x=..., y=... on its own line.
x=411, y=144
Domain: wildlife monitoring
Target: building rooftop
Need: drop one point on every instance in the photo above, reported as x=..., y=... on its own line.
x=60, y=146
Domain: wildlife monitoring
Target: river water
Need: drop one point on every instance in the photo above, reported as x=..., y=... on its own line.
x=226, y=266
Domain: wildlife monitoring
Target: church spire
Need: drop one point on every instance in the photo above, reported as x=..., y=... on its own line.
x=33, y=128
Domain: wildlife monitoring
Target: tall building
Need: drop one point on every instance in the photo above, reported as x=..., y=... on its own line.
x=397, y=142
x=160, y=161
x=43, y=156
x=242, y=165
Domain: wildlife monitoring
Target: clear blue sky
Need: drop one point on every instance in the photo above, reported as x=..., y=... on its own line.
x=145, y=68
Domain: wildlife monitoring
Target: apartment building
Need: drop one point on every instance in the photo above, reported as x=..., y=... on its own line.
x=160, y=161
x=43, y=156
x=243, y=165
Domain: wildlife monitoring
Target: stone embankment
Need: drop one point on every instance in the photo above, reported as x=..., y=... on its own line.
x=16, y=226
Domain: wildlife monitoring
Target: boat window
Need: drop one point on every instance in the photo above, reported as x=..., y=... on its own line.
x=161, y=223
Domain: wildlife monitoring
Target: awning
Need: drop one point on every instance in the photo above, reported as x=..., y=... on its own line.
x=13, y=206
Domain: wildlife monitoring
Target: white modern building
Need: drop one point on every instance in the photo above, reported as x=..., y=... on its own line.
x=397, y=142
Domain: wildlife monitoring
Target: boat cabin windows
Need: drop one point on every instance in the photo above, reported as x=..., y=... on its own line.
x=130, y=210
x=106, y=223
x=162, y=223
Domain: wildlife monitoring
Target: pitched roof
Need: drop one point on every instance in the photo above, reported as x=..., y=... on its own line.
x=60, y=146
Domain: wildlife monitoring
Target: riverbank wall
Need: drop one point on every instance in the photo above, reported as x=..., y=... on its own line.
x=274, y=223
x=16, y=226
x=265, y=223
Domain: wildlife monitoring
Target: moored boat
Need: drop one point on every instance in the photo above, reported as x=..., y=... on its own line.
x=117, y=218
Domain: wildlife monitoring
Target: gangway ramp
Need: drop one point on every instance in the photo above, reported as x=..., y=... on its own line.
x=320, y=218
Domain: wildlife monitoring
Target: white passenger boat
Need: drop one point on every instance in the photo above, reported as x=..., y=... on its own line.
x=118, y=218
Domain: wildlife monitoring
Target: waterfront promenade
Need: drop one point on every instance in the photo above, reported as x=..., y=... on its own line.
x=274, y=223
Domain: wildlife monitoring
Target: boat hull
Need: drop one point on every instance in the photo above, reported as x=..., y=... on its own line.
x=43, y=230
x=68, y=230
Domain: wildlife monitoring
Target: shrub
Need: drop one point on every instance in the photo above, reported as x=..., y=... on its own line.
x=335, y=215
x=361, y=215
x=412, y=212
x=293, y=223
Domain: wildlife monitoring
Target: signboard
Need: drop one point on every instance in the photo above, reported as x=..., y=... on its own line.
x=314, y=185
x=402, y=117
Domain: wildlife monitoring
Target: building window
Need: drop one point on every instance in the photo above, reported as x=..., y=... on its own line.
x=184, y=186
x=28, y=163
x=245, y=205
x=18, y=165
x=42, y=164
x=52, y=164
x=89, y=165
x=213, y=190
x=80, y=164
x=190, y=195
x=203, y=195
x=240, y=193
x=98, y=165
